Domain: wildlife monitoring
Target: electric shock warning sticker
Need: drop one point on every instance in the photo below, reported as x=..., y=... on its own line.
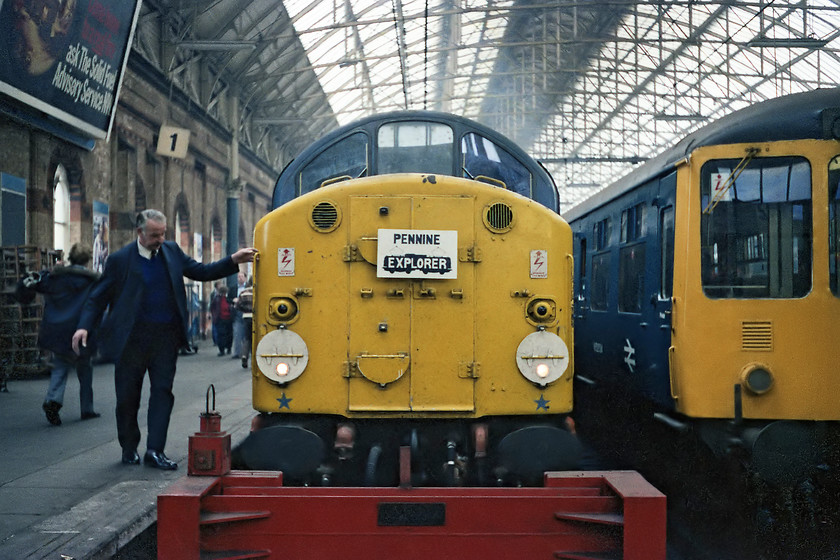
x=412, y=253
x=286, y=261
x=539, y=264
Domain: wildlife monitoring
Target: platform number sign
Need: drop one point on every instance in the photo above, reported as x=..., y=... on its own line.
x=173, y=142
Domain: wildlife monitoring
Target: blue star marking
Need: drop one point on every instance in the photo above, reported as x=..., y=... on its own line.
x=542, y=403
x=284, y=401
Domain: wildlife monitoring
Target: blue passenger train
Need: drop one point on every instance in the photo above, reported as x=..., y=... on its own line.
x=708, y=284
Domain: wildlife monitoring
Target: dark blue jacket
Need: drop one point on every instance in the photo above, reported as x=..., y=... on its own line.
x=65, y=290
x=120, y=290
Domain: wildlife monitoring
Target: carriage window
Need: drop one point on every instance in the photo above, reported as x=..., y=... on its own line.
x=632, y=222
x=415, y=147
x=756, y=227
x=601, y=234
x=483, y=158
x=346, y=158
x=834, y=224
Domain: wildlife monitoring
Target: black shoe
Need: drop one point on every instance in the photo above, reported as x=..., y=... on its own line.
x=244, y=362
x=130, y=457
x=51, y=409
x=158, y=460
x=221, y=353
x=89, y=415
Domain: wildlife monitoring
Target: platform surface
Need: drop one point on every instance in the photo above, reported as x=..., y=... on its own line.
x=64, y=492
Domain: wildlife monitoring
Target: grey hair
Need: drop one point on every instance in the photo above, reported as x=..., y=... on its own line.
x=149, y=215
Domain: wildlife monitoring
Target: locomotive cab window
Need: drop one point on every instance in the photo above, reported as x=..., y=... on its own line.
x=483, y=158
x=346, y=159
x=834, y=224
x=415, y=147
x=756, y=227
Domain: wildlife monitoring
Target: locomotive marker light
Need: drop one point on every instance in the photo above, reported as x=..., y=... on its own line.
x=542, y=357
x=541, y=310
x=282, y=309
x=757, y=378
x=282, y=355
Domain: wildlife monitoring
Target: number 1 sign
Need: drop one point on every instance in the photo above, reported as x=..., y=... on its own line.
x=173, y=142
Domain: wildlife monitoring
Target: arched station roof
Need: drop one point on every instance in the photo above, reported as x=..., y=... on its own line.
x=589, y=87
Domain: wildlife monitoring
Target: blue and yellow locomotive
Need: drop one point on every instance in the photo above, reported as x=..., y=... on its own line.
x=413, y=291
x=708, y=283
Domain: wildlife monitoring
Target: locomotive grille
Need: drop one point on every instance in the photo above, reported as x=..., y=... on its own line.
x=757, y=336
x=325, y=216
x=498, y=217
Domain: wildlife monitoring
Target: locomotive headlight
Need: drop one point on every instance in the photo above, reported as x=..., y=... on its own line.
x=757, y=378
x=542, y=358
x=281, y=356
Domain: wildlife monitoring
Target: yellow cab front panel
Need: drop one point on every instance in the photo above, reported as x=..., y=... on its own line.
x=738, y=321
x=428, y=325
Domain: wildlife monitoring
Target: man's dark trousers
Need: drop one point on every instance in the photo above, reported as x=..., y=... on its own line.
x=152, y=347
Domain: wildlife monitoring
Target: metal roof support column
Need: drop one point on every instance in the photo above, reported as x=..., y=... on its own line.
x=234, y=186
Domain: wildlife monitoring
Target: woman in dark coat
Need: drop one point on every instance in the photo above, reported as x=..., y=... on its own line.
x=65, y=290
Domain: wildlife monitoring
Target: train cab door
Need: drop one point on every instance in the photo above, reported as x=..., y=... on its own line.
x=661, y=300
x=443, y=315
x=379, y=319
x=410, y=340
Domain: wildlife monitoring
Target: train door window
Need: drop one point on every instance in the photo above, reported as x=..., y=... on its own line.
x=599, y=291
x=600, y=281
x=346, y=159
x=415, y=147
x=756, y=227
x=666, y=252
x=483, y=158
x=631, y=278
x=834, y=224
x=631, y=260
x=582, y=258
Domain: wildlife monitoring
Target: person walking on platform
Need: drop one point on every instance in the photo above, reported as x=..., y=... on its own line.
x=244, y=304
x=221, y=309
x=143, y=288
x=65, y=290
x=238, y=323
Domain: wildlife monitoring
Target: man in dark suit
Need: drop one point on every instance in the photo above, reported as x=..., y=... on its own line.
x=143, y=288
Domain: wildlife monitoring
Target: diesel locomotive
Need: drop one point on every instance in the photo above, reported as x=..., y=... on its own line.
x=708, y=285
x=413, y=291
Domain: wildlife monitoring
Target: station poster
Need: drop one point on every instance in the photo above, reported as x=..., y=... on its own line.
x=101, y=227
x=67, y=59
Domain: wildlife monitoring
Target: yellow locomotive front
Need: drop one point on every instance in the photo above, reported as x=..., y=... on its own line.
x=419, y=311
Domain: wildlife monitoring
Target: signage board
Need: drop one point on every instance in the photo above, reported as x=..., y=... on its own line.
x=418, y=254
x=67, y=59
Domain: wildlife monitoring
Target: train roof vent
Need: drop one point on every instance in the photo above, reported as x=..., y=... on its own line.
x=757, y=336
x=325, y=216
x=498, y=217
